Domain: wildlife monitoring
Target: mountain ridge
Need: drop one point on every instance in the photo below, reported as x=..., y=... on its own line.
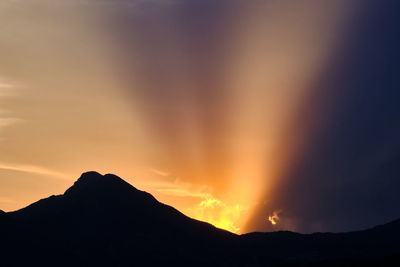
x=102, y=220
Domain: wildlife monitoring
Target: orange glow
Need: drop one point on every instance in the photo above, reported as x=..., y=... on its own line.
x=202, y=130
x=204, y=206
x=217, y=213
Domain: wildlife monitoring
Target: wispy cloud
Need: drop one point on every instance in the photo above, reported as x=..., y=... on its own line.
x=177, y=188
x=4, y=85
x=181, y=192
x=165, y=183
x=159, y=172
x=8, y=121
x=33, y=169
x=6, y=200
x=8, y=88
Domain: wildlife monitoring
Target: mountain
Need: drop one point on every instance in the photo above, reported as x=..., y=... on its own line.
x=104, y=221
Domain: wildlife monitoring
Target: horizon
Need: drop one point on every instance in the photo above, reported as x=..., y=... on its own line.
x=254, y=116
x=87, y=174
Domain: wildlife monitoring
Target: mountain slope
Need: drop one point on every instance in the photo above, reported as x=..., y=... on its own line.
x=104, y=221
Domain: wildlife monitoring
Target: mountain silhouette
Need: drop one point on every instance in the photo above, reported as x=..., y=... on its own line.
x=104, y=221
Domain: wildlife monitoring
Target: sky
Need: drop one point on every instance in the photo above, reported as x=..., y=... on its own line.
x=251, y=115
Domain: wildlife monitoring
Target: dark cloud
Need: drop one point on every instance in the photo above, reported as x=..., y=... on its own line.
x=346, y=174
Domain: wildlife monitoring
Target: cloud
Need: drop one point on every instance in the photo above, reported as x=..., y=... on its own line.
x=6, y=200
x=274, y=218
x=180, y=192
x=8, y=89
x=8, y=121
x=32, y=169
x=160, y=173
x=218, y=213
x=4, y=85
x=177, y=188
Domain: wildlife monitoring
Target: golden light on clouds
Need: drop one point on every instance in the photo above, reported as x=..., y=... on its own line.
x=203, y=205
x=274, y=218
x=218, y=213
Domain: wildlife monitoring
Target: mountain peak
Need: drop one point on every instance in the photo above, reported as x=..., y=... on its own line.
x=94, y=182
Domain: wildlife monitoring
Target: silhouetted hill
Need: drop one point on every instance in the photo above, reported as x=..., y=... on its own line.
x=378, y=246
x=104, y=221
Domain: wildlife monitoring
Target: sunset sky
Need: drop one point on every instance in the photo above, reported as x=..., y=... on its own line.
x=251, y=115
